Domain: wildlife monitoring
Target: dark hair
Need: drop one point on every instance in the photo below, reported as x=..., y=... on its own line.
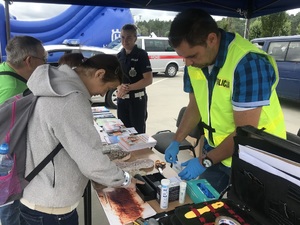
x=71, y=59
x=130, y=27
x=109, y=63
x=192, y=26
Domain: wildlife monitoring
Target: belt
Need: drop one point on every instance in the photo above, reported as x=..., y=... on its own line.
x=49, y=210
x=134, y=95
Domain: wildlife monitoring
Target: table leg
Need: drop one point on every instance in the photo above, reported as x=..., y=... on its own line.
x=87, y=204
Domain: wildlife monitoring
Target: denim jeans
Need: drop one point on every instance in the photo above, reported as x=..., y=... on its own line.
x=10, y=214
x=33, y=217
x=218, y=176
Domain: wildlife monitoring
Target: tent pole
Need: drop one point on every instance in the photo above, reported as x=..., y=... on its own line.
x=7, y=19
x=247, y=28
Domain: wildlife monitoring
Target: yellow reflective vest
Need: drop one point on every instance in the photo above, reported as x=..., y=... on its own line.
x=220, y=114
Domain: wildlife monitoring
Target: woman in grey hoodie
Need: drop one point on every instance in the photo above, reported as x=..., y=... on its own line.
x=63, y=115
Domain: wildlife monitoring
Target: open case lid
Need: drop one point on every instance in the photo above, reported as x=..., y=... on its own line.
x=259, y=138
x=265, y=176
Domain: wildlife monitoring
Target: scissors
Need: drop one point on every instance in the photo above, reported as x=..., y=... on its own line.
x=160, y=166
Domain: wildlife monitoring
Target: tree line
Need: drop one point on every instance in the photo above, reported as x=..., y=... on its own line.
x=277, y=24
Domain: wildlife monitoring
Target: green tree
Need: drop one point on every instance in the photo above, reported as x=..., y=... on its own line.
x=232, y=25
x=223, y=23
x=275, y=25
x=255, y=28
x=142, y=29
x=160, y=28
x=298, y=29
x=295, y=21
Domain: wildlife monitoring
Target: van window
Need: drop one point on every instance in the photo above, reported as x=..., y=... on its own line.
x=139, y=43
x=286, y=52
x=293, y=53
x=155, y=45
x=278, y=50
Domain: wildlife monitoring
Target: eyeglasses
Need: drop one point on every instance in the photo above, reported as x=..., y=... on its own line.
x=44, y=59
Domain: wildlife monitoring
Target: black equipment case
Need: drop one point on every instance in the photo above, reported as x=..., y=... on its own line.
x=265, y=187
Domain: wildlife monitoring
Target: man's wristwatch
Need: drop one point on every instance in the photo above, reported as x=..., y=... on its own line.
x=207, y=162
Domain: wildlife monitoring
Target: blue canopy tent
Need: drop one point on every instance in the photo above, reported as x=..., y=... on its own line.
x=231, y=8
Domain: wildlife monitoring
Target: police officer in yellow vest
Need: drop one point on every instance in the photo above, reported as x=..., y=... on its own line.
x=230, y=83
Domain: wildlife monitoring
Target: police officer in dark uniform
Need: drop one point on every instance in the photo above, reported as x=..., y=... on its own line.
x=137, y=75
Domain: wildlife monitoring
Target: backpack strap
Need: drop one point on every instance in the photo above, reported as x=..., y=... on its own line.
x=13, y=74
x=42, y=164
x=27, y=92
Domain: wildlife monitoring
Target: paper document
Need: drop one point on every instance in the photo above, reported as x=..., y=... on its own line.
x=267, y=162
x=288, y=166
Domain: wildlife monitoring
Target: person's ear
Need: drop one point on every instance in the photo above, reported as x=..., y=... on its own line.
x=27, y=60
x=212, y=39
x=100, y=73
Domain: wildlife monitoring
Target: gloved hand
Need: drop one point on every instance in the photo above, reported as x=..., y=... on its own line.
x=171, y=152
x=193, y=168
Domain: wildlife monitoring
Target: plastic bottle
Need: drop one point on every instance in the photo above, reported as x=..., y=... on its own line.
x=6, y=165
x=6, y=161
x=182, y=191
x=164, y=193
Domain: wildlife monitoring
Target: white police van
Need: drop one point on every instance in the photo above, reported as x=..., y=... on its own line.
x=162, y=56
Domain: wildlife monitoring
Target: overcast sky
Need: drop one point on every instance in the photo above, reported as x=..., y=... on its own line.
x=44, y=11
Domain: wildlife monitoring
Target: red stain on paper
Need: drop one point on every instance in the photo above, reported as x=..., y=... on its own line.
x=124, y=204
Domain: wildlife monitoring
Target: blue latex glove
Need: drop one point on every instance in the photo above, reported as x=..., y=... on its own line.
x=171, y=152
x=193, y=168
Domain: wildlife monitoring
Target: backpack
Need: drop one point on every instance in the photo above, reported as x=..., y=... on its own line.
x=14, y=116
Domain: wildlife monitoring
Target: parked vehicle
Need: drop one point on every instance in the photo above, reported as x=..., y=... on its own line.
x=286, y=51
x=163, y=57
x=72, y=46
x=110, y=99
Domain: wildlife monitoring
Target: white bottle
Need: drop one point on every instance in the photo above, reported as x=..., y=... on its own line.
x=182, y=191
x=164, y=193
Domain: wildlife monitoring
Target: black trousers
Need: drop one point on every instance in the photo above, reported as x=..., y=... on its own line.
x=133, y=112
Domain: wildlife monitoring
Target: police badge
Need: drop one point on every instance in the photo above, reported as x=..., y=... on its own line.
x=132, y=72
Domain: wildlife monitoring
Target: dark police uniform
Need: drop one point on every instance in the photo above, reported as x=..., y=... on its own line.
x=132, y=108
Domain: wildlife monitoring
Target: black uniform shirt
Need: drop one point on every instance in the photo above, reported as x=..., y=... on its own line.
x=134, y=64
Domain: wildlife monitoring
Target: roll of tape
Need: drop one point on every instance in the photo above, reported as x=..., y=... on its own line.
x=225, y=220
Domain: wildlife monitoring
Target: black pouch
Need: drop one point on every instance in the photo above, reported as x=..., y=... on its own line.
x=209, y=212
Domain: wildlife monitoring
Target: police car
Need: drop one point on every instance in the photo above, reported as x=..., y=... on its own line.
x=73, y=46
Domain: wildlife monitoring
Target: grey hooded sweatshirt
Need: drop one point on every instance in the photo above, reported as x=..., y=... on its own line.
x=63, y=115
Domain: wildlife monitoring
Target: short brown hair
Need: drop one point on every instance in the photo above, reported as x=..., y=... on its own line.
x=192, y=26
x=130, y=27
x=71, y=59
